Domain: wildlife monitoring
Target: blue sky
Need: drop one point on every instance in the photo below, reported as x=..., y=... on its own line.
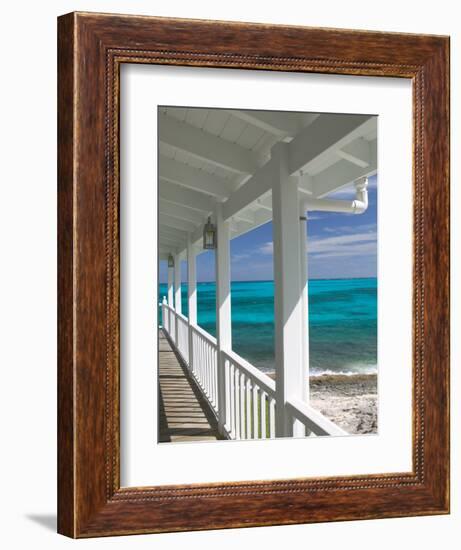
x=339, y=246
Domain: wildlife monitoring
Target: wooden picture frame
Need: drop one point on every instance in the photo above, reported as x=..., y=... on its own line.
x=91, y=49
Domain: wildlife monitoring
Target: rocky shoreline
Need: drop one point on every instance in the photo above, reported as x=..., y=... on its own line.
x=349, y=401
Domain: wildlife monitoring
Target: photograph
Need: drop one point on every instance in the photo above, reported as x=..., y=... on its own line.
x=226, y=274
x=267, y=274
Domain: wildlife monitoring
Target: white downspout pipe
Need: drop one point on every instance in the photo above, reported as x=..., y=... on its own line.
x=357, y=206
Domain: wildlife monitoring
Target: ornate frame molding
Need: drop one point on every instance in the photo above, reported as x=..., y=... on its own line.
x=91, y=49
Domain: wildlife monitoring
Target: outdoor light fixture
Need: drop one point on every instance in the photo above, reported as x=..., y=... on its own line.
x=209, y=236
x=170, y=261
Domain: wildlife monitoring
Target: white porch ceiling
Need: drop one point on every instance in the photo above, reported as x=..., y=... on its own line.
x=209, y=155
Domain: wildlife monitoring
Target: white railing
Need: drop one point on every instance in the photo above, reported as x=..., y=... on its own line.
x=172, y=324
x=204, y=364
x=313, y=421
x=182, y=336
x=165, y=317
x=250, y=398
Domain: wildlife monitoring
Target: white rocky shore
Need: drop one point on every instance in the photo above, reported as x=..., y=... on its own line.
x=349, y=401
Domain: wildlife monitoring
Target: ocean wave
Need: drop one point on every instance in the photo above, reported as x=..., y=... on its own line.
x=353, y=370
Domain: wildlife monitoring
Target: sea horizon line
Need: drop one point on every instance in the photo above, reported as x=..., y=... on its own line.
x=272, y=280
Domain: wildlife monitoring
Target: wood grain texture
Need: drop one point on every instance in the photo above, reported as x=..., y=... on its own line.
x=66, y=510
x=91, y=49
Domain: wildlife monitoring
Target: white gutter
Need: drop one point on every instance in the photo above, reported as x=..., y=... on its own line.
x=357, y=206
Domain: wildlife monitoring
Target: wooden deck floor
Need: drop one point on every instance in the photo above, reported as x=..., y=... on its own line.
x=184, y=414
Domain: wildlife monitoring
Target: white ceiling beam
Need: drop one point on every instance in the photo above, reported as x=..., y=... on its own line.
x=170, y=246
x=170, y=235
x=265, y=204
x=256, y=186
x=177, y=194
x=261, y=217
x=275, y=123
x=241, y=222
x=181, y=212
x=238, y=227
x=171, y=240
x=357, y=152
x=192, y=178
x=175, y=223
x=206, y=146
x=280, y=124
x=173, y=244
x=245, y=216
x=172, y=232
x=305, y=184
x=339, y=175
x=324, y=136
x=167, y=250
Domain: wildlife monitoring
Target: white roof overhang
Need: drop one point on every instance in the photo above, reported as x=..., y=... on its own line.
x=210, y=155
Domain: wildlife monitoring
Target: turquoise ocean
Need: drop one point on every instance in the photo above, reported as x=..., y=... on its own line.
x=342, y=322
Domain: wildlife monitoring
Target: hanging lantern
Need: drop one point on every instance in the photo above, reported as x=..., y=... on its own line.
x=209, y=236
x=170, y=261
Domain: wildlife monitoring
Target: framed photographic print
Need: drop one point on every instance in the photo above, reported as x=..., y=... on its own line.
x=253, y=275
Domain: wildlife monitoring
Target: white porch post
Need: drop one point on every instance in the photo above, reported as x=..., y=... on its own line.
x=170, y=299
x=288, y=293
x=223, y=309
x=305, y=297
x=177, y=294
x=170, y=286
x=177, y=283
x=191, y=296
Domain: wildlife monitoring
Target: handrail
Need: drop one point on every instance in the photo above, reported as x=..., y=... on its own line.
x=197, y=328
x=264, y=382
x=313, y=419
x=181, y=316
x=205, y=334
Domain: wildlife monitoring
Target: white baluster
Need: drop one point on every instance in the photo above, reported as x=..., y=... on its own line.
x=237, y=403
x=263, y=415
x=248, y=407
x=242, y=405
x=272, y=417
x=255, y=410
x=232, y=398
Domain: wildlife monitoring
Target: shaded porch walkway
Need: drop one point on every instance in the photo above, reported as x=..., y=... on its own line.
x=184, y=414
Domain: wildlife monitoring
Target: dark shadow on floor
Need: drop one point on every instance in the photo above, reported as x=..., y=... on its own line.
x=181, y=400
x=48, y=521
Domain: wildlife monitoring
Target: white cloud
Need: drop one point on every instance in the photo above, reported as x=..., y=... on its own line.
x=357, y=244
x=240, y=257
x=267, y=248
x=341, y=229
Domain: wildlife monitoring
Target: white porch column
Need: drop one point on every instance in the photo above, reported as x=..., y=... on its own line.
x=288, y=293
x=177, y=283
x=191, y=283
x=170, y=299
x=305, y=297
x=191, y=296
x=223, y=308
x=170, y=286
x=177, y=294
